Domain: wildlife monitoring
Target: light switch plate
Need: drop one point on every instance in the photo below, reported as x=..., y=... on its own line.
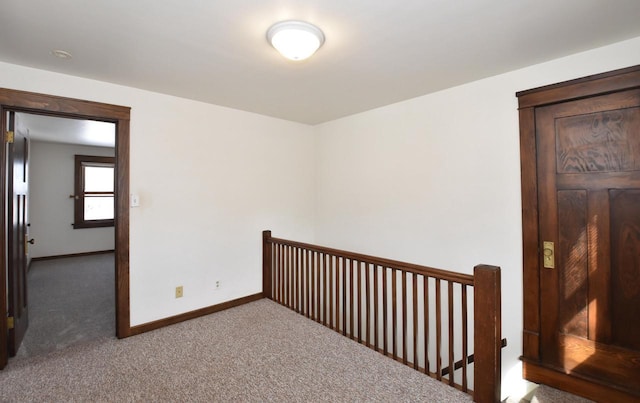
x=135, y=200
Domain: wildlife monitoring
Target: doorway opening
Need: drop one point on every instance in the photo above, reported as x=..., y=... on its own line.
x=40, y=104
x=70, y=229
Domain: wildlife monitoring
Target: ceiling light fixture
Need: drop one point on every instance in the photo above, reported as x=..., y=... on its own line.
x=295, y=40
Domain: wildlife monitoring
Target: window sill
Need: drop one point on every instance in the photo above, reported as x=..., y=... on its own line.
x=94, y=224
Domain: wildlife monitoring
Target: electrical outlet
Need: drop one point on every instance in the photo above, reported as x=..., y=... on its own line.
x=179, y=292
x=217, y=284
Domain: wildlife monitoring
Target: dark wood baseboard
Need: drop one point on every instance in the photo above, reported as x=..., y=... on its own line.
x=575, y=384
x=99, y=252
x=172, y=320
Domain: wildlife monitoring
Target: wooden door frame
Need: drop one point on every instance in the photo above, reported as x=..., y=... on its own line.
x=21, y=101
x=533, y=369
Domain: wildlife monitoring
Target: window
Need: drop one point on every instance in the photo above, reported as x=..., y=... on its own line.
x=94, y=192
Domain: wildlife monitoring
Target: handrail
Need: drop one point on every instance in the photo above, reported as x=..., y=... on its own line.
x=391, y=306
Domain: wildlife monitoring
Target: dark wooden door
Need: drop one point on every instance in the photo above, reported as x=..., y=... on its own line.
x=17, y=192
x=588, y=166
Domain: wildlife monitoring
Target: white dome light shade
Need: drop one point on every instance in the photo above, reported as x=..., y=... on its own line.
x=295, y=40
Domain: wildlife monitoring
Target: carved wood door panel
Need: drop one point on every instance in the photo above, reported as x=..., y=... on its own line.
x=588, y=167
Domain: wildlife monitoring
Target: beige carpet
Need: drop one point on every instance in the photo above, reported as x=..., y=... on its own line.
x=257, y=352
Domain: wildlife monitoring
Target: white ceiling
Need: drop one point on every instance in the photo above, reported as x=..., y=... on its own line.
x=377, y=52
x=68, y=131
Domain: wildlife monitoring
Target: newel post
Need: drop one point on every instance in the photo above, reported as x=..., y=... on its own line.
x=487, y=334
x=266, y=264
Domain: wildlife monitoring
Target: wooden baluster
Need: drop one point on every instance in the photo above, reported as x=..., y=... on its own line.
x=300, y=281
x=305, y=281
x=344, y=297
x=394, y=313
x=274, y=269
x=325, y=294
x=414, y=283
x=351, y=311
x=426, y=323
x=376, y=331
x=294, y=269
x=465, y=352
x=320, y=289
x=301, y=300
x=274, y=272
x=451, y=334
x=281, y=247
x=314, y=265
x=289, y=278
x=359, y=301
x=319, y=285
x=284, y=275
x=438, y=331
x=404, y=317
x=336, y=294
x=384, y=310
x=331, y=322
x=367, y=292
x=276, y=278
x=285, y=268
x=309, y=274
x=292, y=282
x=318, y=281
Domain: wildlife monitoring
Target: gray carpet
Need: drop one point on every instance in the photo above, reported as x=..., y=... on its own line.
x=70, y=301
x=256, y=352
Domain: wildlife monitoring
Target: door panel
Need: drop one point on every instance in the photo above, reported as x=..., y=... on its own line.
x=625, y=261
x=598, y=142
x=573, y=280
x=17, y=191
x=588, y=161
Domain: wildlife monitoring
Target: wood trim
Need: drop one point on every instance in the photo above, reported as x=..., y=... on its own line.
x=616, y=80
x=4, y=331
x=99, y=252
x=574, y=383
x=53, y=105
x=50, y=105
x=530, y=237
x=172, y=320
x=123, y=321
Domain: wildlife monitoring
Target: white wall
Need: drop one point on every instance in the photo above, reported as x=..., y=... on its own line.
x=210, y=179
x=436, y=180
x=51, y=181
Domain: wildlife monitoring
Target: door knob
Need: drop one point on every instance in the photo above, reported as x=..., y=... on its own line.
x=26, y=242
